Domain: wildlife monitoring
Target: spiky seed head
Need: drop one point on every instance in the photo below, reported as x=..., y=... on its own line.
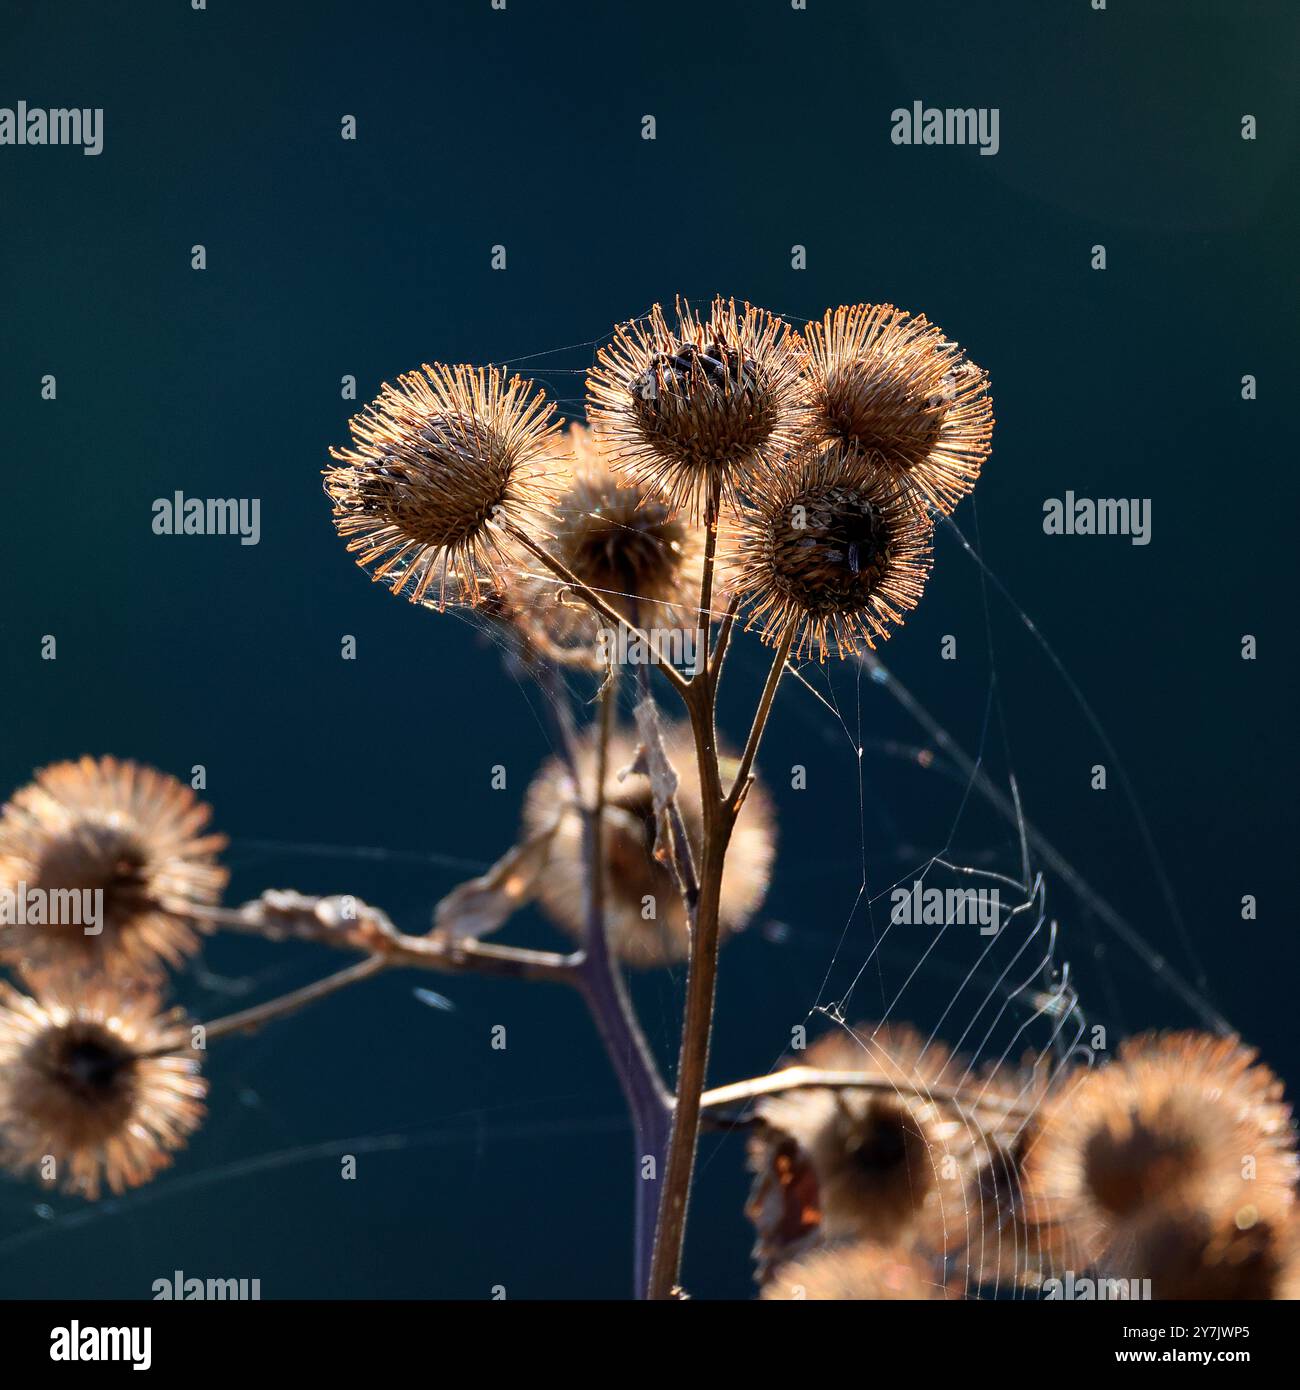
x=705, y=401
x=645, y=919
x=1182, y=1116
x=134, y=835
x=436, y=462
x=622, y=539
x=830, y=551
x=860, y=1271
x=74, y=1088
x=892, y=386
x=889, y=1161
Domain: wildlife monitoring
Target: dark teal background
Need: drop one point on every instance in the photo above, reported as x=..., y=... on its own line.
x=325, y=257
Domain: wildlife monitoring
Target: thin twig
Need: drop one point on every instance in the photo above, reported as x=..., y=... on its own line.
x=704, y=619
x=592, y=598
x=725, y=630
x=485, y=958
x=415, y=952
x=739, y=787
x=805, y=1078
x=248, y=1019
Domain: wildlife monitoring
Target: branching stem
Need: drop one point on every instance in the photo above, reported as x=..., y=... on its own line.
x=720, y=811
x=398, y=950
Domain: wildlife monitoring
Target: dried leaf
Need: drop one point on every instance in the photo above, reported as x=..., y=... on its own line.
x=481, y=905
x=652, y=761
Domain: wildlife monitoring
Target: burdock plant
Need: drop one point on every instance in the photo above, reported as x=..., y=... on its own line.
x=737, y=474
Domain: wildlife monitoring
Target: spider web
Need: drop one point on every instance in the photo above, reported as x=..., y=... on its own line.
x=1008, y=999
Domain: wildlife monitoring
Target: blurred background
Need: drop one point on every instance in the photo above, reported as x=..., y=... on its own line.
x=328, y=258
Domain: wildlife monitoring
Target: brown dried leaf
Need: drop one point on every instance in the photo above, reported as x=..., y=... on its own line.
x=652, y=761
x=481, y=905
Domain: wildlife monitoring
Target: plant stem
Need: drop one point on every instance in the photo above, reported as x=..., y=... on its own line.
x=692, y=1062
x=806, y=1078
x=719, y=815
x=740, y=786
x=247, y=1019
x=483, y=958
x=415, y=952
x=592, y=598
x=725, y=630
x=704, y=620
x=720, y=812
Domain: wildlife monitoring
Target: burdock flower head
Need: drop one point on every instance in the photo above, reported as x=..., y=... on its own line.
x=620, y=538
x=98, y=861
x=1183, y=1117
x=830, y=554
x=893, y=387
x=700, y=405
x=79, y=1105
x=881, y=1163
x=644, y=915
x=436, y=462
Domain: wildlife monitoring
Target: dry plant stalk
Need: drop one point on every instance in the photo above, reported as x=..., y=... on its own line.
x=736, y=472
